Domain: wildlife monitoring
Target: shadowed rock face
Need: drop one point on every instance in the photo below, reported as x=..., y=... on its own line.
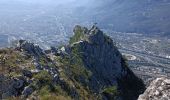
x=30, y=48
x=102, y=58
x=108, y=68
x=159, y=89
x=11, y=87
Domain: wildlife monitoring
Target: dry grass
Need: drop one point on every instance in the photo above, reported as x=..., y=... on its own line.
x=11, y=61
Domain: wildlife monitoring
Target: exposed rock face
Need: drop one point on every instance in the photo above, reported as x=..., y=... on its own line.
x=12, y=87
x=103, y=59
x=30, y=48
x=27, y=73
x=159, y=89
x=27, y=91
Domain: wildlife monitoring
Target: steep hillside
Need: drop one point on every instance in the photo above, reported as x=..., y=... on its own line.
x=89, y=67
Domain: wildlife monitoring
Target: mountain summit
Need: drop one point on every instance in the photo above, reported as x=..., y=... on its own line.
x=89, y=67
x=100, y=56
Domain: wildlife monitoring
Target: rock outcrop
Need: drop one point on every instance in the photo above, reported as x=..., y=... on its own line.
x=12, y=87
x=101, y=57
x=30, y=48
x=159, y=89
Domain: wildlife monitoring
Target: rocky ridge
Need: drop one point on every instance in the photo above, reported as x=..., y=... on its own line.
x=89, y=67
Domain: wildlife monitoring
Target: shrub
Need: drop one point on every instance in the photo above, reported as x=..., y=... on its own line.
x=54, y=97
x=111, y=91
x=47, y=93
x=43, y=77
x=78, y=35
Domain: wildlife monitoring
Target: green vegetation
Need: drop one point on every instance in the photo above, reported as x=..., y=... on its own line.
x=12, y=60
x=54, y=97
x=31, y=67
x=46, y=89
x=42, y=61
x=111, y=91
x=43, y=77
x=14, y=74
x=75, y=63
x=78, y=35
x=55, y=93
x=75, y=73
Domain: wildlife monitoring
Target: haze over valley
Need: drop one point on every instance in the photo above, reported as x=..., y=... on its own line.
x=140, y=28
x=85, y=49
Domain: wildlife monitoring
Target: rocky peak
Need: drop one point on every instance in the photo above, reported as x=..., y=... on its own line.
x=159, y=89
x=101, y=57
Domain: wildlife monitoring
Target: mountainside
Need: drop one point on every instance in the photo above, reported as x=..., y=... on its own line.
x=145, y=16
x=90, y=67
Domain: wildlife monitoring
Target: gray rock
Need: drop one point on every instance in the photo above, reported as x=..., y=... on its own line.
x=36, y=63
x=30, y=48
x=27, y=91
x=35, y=71
x=27, y=73
x=39, y=67
x=62, y=51
x=55, y=78
x=101, y=57
x=11, y=87
x=29, y=81
x=17, y=84
x=159, y=89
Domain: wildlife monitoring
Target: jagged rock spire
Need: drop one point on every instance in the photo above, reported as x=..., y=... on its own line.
x=102, y=58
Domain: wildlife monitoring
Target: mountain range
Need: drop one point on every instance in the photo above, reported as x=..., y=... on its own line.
x=141, y=16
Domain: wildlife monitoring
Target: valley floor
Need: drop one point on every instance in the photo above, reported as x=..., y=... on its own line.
x=151, y=54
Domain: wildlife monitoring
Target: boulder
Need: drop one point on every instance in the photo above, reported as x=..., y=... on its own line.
x=17, y=84
x=159, y=89
x=30, y=48
x=27, y=73
x=27, y=91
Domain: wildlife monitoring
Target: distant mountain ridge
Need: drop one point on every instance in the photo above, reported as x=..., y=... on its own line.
x=144, y=16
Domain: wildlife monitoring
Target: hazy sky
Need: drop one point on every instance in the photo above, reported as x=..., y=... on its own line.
x=38, y=1
x=46, y=2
